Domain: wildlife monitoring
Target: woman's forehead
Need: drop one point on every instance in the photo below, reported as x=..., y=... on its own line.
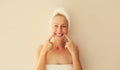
x=59, y=20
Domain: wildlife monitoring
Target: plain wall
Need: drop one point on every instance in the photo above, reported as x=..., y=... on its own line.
x=95, y=28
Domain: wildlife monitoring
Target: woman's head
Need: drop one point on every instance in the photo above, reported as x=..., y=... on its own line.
x=59, y=24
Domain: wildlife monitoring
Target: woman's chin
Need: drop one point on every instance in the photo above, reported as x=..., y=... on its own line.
x=59, y=38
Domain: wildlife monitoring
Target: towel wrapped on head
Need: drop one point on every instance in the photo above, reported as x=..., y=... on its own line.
x=62, y=12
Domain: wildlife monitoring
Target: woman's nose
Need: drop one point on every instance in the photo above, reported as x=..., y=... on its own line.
x=59, y=29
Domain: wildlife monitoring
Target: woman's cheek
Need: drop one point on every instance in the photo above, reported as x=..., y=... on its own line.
x=65, y=31
x=53, y=30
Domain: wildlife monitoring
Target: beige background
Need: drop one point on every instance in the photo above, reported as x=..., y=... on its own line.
x=95, y=28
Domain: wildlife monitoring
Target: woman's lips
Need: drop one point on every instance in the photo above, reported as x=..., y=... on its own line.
x=59, y=35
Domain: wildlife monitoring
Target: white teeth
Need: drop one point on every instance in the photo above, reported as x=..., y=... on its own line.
x=59, y=34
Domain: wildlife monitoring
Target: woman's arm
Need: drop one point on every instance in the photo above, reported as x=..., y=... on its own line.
x=41, y=59
x=42, y=54
x=73, y=49
x=76, y=61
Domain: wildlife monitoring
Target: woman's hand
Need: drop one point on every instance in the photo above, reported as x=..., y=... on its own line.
x=71, y=46
x=47, y=45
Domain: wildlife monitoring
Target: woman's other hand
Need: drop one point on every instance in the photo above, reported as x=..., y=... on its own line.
x=47, y=45
x=71, y=46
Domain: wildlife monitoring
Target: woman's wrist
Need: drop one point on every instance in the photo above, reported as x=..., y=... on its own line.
x=43, y=52
x=75, y=55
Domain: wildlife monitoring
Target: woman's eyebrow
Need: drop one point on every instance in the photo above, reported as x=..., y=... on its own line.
x=61, y=24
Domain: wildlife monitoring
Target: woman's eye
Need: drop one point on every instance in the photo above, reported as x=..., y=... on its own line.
x=64, y=26
x=55, y=25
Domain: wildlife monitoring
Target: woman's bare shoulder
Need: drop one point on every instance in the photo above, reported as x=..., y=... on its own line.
x=39, y=48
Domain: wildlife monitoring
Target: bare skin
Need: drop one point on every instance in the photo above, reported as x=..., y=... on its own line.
x=58, y=51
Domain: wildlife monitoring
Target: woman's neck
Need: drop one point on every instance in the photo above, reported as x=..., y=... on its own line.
x=59, y=44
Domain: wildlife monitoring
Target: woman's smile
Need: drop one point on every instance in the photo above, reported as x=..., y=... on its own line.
x=59, y=35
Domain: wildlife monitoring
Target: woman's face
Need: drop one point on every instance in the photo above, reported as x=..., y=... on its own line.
x=59, y=27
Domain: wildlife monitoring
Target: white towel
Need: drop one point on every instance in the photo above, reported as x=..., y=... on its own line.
x=59, y=67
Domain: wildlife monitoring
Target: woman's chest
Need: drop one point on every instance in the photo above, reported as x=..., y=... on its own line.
x=59, y=57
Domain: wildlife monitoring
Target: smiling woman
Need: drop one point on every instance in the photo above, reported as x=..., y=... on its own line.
x=58, y=52
x=59, y=26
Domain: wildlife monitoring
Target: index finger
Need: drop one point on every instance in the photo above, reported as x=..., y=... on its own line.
x=67, y=38
x=51, y=36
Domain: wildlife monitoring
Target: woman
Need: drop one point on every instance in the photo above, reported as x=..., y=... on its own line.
x=58, y=52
